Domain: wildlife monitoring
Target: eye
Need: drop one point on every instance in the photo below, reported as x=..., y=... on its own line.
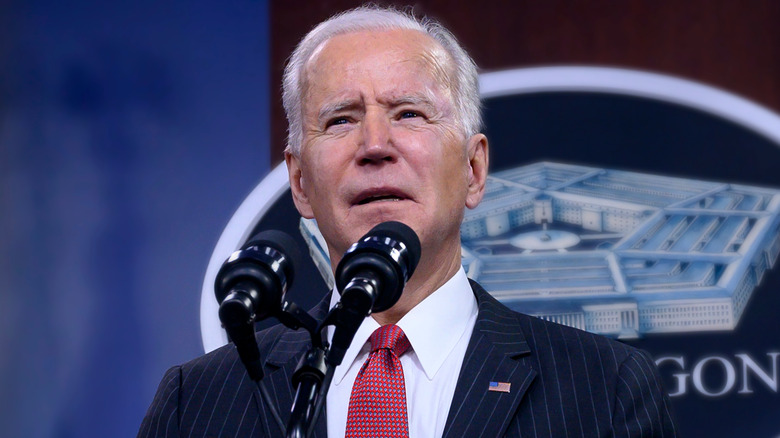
x=337, y=121
x=409, y=114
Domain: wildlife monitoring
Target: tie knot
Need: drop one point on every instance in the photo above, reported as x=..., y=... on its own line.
x=389, y=336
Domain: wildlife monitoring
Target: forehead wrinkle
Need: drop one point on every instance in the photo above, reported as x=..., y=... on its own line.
x=428, y=56
x=437, y=61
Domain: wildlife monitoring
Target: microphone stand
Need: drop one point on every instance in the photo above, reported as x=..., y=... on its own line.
x=312, y=379
x=308, y=376
x=315, y=371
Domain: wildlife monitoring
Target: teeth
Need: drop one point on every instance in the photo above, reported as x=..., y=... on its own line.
x=379, y=198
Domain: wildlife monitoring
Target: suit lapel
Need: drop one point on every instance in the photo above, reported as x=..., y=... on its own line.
x=281, y=362
x=280, y=389
x=493, y=355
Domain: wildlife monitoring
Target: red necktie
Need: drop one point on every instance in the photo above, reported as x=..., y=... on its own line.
x=377, y=405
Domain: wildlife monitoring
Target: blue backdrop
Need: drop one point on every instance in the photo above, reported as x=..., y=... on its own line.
x=129, y=133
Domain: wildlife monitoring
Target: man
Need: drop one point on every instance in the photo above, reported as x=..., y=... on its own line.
x=384, y=123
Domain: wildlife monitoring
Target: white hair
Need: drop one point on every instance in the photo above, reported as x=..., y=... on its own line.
x=464, y=72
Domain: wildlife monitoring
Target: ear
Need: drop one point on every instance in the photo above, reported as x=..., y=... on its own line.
x=298, y=185
x=477, y=150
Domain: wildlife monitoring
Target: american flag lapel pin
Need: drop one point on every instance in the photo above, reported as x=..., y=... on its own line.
x=499, y=386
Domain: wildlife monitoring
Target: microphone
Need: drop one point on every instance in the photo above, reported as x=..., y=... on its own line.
x=250, y=287
x=371, y=277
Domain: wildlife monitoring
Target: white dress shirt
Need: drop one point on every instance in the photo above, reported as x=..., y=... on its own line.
x=438, y=329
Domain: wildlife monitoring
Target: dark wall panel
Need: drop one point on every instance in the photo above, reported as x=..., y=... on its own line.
x=731, y=45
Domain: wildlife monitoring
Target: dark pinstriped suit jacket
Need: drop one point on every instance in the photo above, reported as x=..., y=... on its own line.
x=564, y=383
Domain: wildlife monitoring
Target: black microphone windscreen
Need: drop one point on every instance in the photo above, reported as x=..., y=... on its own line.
x=403, y=233
x=281, y=242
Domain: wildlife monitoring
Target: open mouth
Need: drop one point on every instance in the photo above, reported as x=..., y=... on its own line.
x=379, y=195
x=378, y=199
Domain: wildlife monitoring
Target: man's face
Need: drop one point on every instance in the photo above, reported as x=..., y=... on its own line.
x=381, y=141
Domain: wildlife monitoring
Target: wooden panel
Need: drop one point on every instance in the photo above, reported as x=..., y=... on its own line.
x=732, y=45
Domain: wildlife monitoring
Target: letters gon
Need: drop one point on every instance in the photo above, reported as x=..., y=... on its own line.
x=716, y=376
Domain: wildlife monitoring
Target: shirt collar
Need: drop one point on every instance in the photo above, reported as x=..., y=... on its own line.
x=433, y=327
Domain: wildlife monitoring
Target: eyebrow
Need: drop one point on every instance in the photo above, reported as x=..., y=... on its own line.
x=411, y=99
x=335, y=107
x=393, y=102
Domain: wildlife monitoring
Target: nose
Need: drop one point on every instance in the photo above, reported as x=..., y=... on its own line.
x=376, y=142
